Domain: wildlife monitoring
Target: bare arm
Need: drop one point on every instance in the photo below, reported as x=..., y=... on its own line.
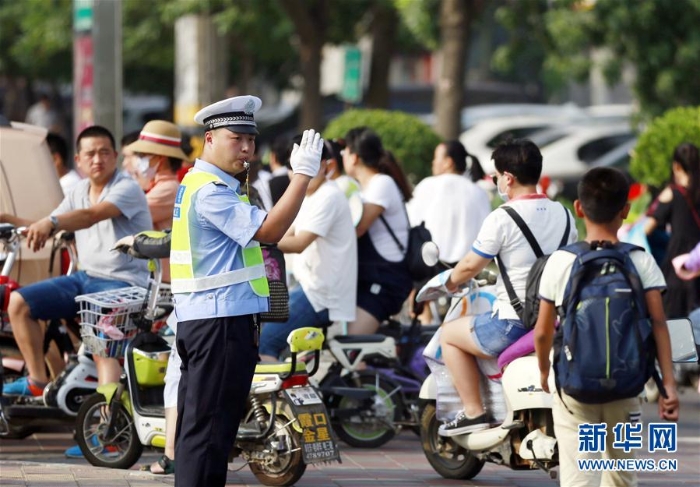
x=295, y=244
x=668, y=406
x=370, y=212
x=282, y=215
x=14, y=220
x=466, y=269
x=71, y=221
x=544, y=336
x=666, y=196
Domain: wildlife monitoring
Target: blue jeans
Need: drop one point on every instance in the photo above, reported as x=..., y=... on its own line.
x=54, y=298
x=273, y=338
x=493, y=335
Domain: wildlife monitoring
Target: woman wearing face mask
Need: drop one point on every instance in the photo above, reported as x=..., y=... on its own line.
x=158, y=157
x=518, y=166
x=383, y=278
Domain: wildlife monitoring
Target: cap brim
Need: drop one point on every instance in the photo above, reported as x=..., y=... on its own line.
x=241, y=129
x=147, y=147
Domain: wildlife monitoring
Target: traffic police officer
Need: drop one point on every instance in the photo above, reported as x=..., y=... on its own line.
x=219, y=283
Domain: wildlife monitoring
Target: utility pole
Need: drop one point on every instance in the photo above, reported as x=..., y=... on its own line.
x=97, y=65
x=200, y=67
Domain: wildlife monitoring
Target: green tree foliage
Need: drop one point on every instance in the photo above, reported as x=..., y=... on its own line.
x=419, y=18
x=410, y=140
x=651, y=159
x=36, y=38
x=659, y=38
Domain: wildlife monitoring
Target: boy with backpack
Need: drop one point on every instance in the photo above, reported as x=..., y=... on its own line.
x=613, y=327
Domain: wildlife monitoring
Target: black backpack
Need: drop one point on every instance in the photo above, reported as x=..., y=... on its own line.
x=530, y=309
x=413, y=257
x=604, y=349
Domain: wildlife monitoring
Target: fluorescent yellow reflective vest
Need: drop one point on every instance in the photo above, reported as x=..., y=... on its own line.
x=183, y=279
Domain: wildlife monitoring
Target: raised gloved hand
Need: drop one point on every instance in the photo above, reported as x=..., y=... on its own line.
x=306, y=156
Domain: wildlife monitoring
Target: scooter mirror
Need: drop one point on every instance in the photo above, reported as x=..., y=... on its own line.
x=430, y=253
x=683, y=347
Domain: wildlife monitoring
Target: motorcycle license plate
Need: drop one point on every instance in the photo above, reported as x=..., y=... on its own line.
x=302, y=396
x=317, y=441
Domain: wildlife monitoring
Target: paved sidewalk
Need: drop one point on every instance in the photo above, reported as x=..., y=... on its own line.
x=31, y=474
x=38, y=461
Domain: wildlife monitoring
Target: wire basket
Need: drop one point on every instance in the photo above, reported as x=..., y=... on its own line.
x=107, y=319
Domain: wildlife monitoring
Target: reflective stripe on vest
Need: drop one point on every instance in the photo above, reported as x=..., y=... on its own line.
x=182, y=275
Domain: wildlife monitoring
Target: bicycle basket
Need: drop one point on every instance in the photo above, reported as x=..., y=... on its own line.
x=107, y=319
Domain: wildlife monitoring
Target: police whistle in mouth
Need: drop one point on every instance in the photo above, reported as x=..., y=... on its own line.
x=246, y=165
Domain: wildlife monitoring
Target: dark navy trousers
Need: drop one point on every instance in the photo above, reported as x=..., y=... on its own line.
x=218, y=362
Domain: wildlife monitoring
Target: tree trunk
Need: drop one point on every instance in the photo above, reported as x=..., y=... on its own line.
x=310, y=19
x=384, y=26
x=455, y=18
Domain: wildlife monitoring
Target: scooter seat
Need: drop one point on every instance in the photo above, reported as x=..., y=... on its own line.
x=525, y=345
x=360, y=338
x=279, y=368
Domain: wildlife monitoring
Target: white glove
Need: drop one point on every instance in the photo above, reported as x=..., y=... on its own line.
x=306, y=156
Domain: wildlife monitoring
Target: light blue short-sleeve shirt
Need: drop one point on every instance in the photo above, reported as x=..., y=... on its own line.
x=220, y=227
x=94, y=243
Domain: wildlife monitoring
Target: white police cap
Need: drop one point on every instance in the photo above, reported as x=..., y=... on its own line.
x=235, y=114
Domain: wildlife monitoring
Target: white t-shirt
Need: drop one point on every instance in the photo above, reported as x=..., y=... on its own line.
x=453, y=209
x=555, y=274
x=383, y=191
x=501, y=235
x=69, y=180
x=327, y=268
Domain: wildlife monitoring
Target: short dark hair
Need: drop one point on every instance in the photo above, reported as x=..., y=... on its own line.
x=519, y=157
x=58, y=145
x=94, y=131
x=603, y=193
x=282, y=149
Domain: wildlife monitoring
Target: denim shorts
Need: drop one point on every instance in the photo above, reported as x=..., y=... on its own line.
x=493, y=335
x=273, y=338
x=55, y=298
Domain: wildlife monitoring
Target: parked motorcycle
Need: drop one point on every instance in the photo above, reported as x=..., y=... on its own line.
x=371, y=387
x=285, y=426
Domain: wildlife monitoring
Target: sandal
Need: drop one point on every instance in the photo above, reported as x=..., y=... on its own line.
x=163, y=462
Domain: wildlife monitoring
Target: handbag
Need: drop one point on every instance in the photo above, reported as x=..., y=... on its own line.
x=276, y=272
x=413, y=256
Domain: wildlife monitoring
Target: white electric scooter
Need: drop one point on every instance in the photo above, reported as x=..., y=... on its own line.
x=523, y=435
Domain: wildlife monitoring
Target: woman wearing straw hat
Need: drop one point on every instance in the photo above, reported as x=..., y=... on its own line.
x=159, y=157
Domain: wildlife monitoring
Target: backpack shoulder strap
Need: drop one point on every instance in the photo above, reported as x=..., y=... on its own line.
x=393, y=235
x=567, y=230
x=525, y=229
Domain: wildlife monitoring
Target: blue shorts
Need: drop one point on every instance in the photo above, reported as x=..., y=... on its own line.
x=273, y=337
x=54, y=298
x=493, y=335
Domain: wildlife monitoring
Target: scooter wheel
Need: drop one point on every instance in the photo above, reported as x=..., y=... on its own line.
x=375, y=425
x=445, y=456
x=286, y=465
x=122, y=451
